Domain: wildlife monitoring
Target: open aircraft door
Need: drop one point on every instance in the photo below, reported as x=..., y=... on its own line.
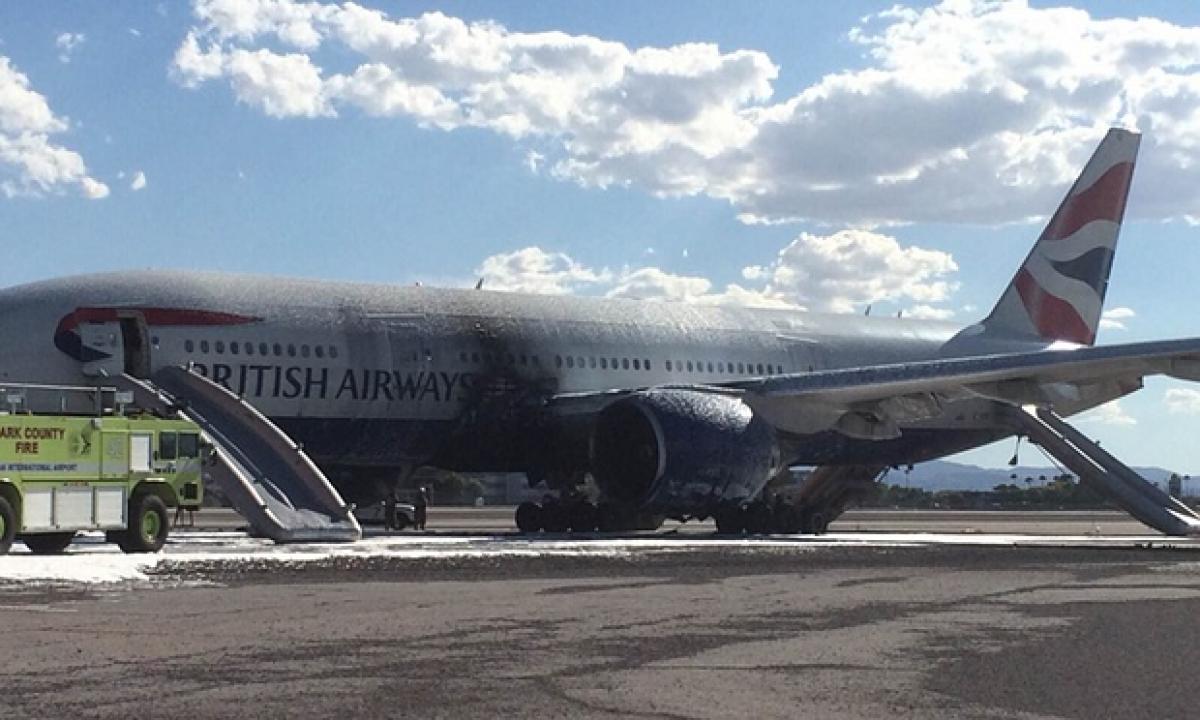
x=113, y=347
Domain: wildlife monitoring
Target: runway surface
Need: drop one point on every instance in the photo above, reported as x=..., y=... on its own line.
x=499, y=519
x=861, y=624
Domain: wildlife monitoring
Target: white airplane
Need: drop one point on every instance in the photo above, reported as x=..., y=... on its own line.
x=675, y=410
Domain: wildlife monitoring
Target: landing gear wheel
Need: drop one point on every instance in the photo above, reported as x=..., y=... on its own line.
x=529, y=517
x=48, y=543
x=816, y=524
x=148, y=526
x=583, y=517
x=730, y=521
x=8, y=525
x=758, y=518
x=787, y=520
x=555, y=518
x=609, y=518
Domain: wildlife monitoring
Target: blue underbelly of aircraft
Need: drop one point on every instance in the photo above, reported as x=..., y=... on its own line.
x=381, y=442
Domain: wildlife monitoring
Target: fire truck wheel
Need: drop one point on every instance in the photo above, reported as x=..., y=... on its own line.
x=148, y=526
x=48, y=543
x=8, y=525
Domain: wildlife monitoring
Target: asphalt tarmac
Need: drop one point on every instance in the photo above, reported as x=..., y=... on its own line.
x=772, y=629
x=499, y=519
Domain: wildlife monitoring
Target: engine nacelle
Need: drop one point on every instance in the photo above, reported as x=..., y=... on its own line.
x=682, y=452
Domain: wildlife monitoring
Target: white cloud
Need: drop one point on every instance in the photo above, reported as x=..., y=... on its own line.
x=534, y=160
x=1115, y=318
x=928, y=312
x=1110, y=413
x=66, y=44
x=842, y=272
x=651, y=283
x=30, y=164
x=854, y=268
x=138, y=182
x=1182, y=401
x=93, y=189
x=534, y=270
x=971, y=110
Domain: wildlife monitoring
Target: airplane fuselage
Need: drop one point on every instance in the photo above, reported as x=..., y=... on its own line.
x=373, y=375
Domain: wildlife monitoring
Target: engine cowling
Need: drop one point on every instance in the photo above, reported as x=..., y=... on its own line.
x=681, y=452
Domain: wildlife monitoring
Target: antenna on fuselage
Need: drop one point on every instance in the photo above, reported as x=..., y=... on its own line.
x=479, y=285
x=867, y=312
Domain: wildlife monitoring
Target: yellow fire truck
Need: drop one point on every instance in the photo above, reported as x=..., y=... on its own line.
x=108, y=469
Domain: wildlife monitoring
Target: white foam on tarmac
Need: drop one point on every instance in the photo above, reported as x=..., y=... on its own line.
x=92, y=561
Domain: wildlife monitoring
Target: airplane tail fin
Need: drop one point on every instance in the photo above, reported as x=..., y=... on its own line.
x=1058, y=293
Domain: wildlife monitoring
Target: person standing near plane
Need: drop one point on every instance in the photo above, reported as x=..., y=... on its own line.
x=420, y=506
x=389, y=516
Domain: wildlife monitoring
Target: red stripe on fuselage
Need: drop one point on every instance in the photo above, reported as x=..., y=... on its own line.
x=1104, y=200
x=1054, y=318
x=153, y=316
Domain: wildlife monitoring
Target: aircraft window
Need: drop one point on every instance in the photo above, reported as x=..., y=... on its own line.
x=646, y=363
x=428, y=355
x=689, y=365
x=741, y=369
x=189, y=346
x=637, y=364
x=462, y=356
x=614, y=363
x=291, y=350
x=474, y=357
x=319, y=350
x=249, y=348
x=760, y=369
x=204, y=346
x=524, y=359
x=558, y=361
x=189, y=445
x=278, y=349
x=570, y=361
x=720, y=367
x=333, y=351
x=580, y=361
x=234, y=348
x=304, y=351
x=154, y=340
x=603, y=363
x=592, y=362
x=625, y=363
x=167, y=444
x=668, y=366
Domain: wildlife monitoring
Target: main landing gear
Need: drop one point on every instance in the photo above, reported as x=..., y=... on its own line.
x=580, y=515
x=759, y=518
x=559, y=516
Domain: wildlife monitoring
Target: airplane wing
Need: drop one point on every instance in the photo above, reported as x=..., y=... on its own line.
x=987, y=375
x=875, y=398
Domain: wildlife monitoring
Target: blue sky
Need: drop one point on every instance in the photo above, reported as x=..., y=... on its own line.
x=398, y=146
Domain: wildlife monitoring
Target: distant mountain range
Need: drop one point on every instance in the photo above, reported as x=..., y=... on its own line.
x=942, y=475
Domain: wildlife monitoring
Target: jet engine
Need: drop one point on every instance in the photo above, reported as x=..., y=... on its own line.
x=681, y=452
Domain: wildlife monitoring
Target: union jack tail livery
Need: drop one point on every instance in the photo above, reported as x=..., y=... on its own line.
x=1058, y=294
